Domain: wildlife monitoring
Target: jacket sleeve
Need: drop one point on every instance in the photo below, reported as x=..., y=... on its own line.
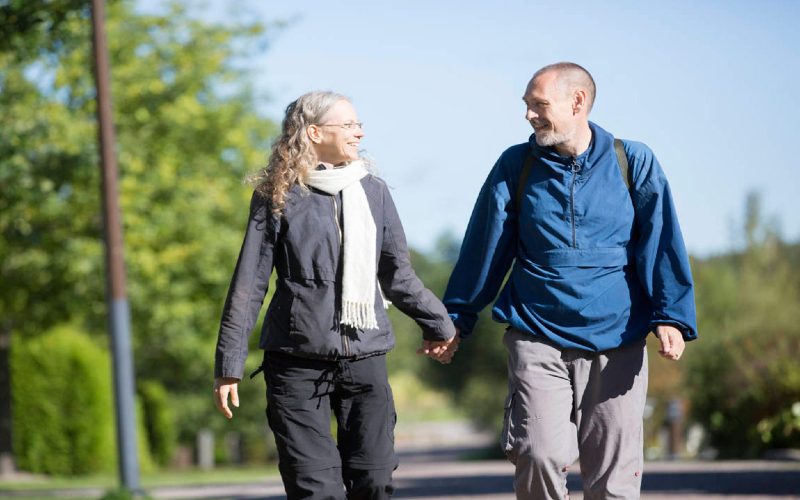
x=488, y=249
x=400, y=283
x=662, y=262
x=247, y=289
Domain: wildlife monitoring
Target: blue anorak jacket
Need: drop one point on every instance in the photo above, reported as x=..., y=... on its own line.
x=594, y=265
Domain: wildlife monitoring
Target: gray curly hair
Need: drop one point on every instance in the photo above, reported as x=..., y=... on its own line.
x=292, y=155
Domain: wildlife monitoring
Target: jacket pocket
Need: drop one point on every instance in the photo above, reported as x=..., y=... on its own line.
x=313, y=308
x=279, y=311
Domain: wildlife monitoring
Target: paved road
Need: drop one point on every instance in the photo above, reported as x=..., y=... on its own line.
x=419, y=478
x=432, y=468
x=493, y=480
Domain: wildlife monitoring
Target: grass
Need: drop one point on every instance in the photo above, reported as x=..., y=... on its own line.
x=190, y=477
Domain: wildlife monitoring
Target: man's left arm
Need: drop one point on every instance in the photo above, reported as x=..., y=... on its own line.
x=662, y=262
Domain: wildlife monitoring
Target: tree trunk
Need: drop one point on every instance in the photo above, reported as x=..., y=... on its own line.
x=6, y=450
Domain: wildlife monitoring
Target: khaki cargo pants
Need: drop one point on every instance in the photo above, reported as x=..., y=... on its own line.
x=566, y=403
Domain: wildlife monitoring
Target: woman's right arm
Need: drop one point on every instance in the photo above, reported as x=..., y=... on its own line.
x=247, y=290
x=400, y=283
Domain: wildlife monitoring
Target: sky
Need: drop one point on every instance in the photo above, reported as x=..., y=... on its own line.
x=710, y=86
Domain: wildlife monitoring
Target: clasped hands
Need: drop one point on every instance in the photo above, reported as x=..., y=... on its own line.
x=440, y=350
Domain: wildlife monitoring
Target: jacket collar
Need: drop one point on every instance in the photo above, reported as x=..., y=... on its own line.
x=599, y=145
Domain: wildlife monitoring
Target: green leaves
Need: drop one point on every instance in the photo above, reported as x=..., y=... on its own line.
x=743, y=376
x=187, y=134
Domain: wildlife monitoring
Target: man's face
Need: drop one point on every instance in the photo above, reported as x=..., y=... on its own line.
x=549, y=110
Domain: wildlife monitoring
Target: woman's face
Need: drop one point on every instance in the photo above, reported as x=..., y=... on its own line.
x=337, y=136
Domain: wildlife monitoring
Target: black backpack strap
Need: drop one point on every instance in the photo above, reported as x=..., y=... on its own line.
x=523, y=178
x=622, y=159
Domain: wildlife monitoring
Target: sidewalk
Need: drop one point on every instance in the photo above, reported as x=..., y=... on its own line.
x=432, y=467
x=493, y=480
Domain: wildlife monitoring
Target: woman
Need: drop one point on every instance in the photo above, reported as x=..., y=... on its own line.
x=331, y=231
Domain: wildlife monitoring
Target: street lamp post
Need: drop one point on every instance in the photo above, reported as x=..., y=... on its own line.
x=119, y=313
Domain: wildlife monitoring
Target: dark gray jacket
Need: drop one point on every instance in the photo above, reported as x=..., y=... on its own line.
x=304, y=246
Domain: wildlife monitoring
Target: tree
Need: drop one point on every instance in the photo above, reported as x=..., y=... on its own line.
x=744, y=379
x=188, y=133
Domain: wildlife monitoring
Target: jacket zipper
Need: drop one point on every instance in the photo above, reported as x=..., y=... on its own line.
x=345, y=340
x=575, y=168
x=336, y=218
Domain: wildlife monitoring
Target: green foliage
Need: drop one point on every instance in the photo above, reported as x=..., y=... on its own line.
x=124, y=494
x=744, y=378
x=187, y=134
x=479, y=373
x=159, y=420
x=63, y=417
x=29, y=26
x=476, y=379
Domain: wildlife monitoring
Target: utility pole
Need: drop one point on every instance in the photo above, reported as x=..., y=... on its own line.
x=119, y=313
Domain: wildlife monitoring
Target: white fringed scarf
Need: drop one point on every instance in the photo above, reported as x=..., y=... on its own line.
x=360, y=268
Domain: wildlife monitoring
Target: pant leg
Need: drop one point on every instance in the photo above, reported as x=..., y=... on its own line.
x=365, y=412
x=298, y=412
x=368, y=484
x=610, y=395
x=539, y=435
x=317, y=484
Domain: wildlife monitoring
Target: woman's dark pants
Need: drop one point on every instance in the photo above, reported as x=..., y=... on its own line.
x=301, y=393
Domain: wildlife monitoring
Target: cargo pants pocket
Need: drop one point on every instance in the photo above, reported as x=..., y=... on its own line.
x=391, y=414
x=508, y=441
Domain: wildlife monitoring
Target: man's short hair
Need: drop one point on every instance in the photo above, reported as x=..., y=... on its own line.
x=572, y=76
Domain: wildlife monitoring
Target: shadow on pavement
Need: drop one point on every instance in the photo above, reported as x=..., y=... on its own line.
x=455, y=486
x=778, y=482
x=669, y=483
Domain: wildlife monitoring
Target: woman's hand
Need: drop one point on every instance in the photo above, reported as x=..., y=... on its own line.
x=222, y=387
x=442, y=351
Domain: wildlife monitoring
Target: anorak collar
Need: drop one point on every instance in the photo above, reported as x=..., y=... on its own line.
x=600, y=143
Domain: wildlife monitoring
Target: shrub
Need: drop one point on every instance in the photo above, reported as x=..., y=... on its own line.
x=61, y=390
x=63, y=416
x=159, y=420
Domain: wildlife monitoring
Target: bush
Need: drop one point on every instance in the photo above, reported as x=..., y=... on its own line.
x=124, y=494
x=61, y=390
x=744, y=378
x=747, y=392
x=159, y=420
x=63, y=416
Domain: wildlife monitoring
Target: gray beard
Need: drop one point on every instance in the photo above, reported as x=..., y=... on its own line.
x=549, y=139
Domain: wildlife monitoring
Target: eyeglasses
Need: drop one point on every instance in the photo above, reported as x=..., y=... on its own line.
x=347, y=126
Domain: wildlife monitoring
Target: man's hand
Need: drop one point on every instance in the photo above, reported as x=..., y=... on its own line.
x=672, y=343
x=440, y=350
x=222, y=387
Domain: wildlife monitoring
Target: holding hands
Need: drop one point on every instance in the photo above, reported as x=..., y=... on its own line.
x=440, y=350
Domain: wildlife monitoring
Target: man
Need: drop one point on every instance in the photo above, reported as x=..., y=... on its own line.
x=596, y=267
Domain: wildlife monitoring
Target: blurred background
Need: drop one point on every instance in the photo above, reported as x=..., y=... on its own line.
x=199, y=89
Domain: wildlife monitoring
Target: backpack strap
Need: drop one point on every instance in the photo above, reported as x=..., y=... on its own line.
x=622, y=159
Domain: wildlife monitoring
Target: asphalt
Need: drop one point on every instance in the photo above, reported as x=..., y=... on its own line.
x=438, y=462
x=445, y=478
